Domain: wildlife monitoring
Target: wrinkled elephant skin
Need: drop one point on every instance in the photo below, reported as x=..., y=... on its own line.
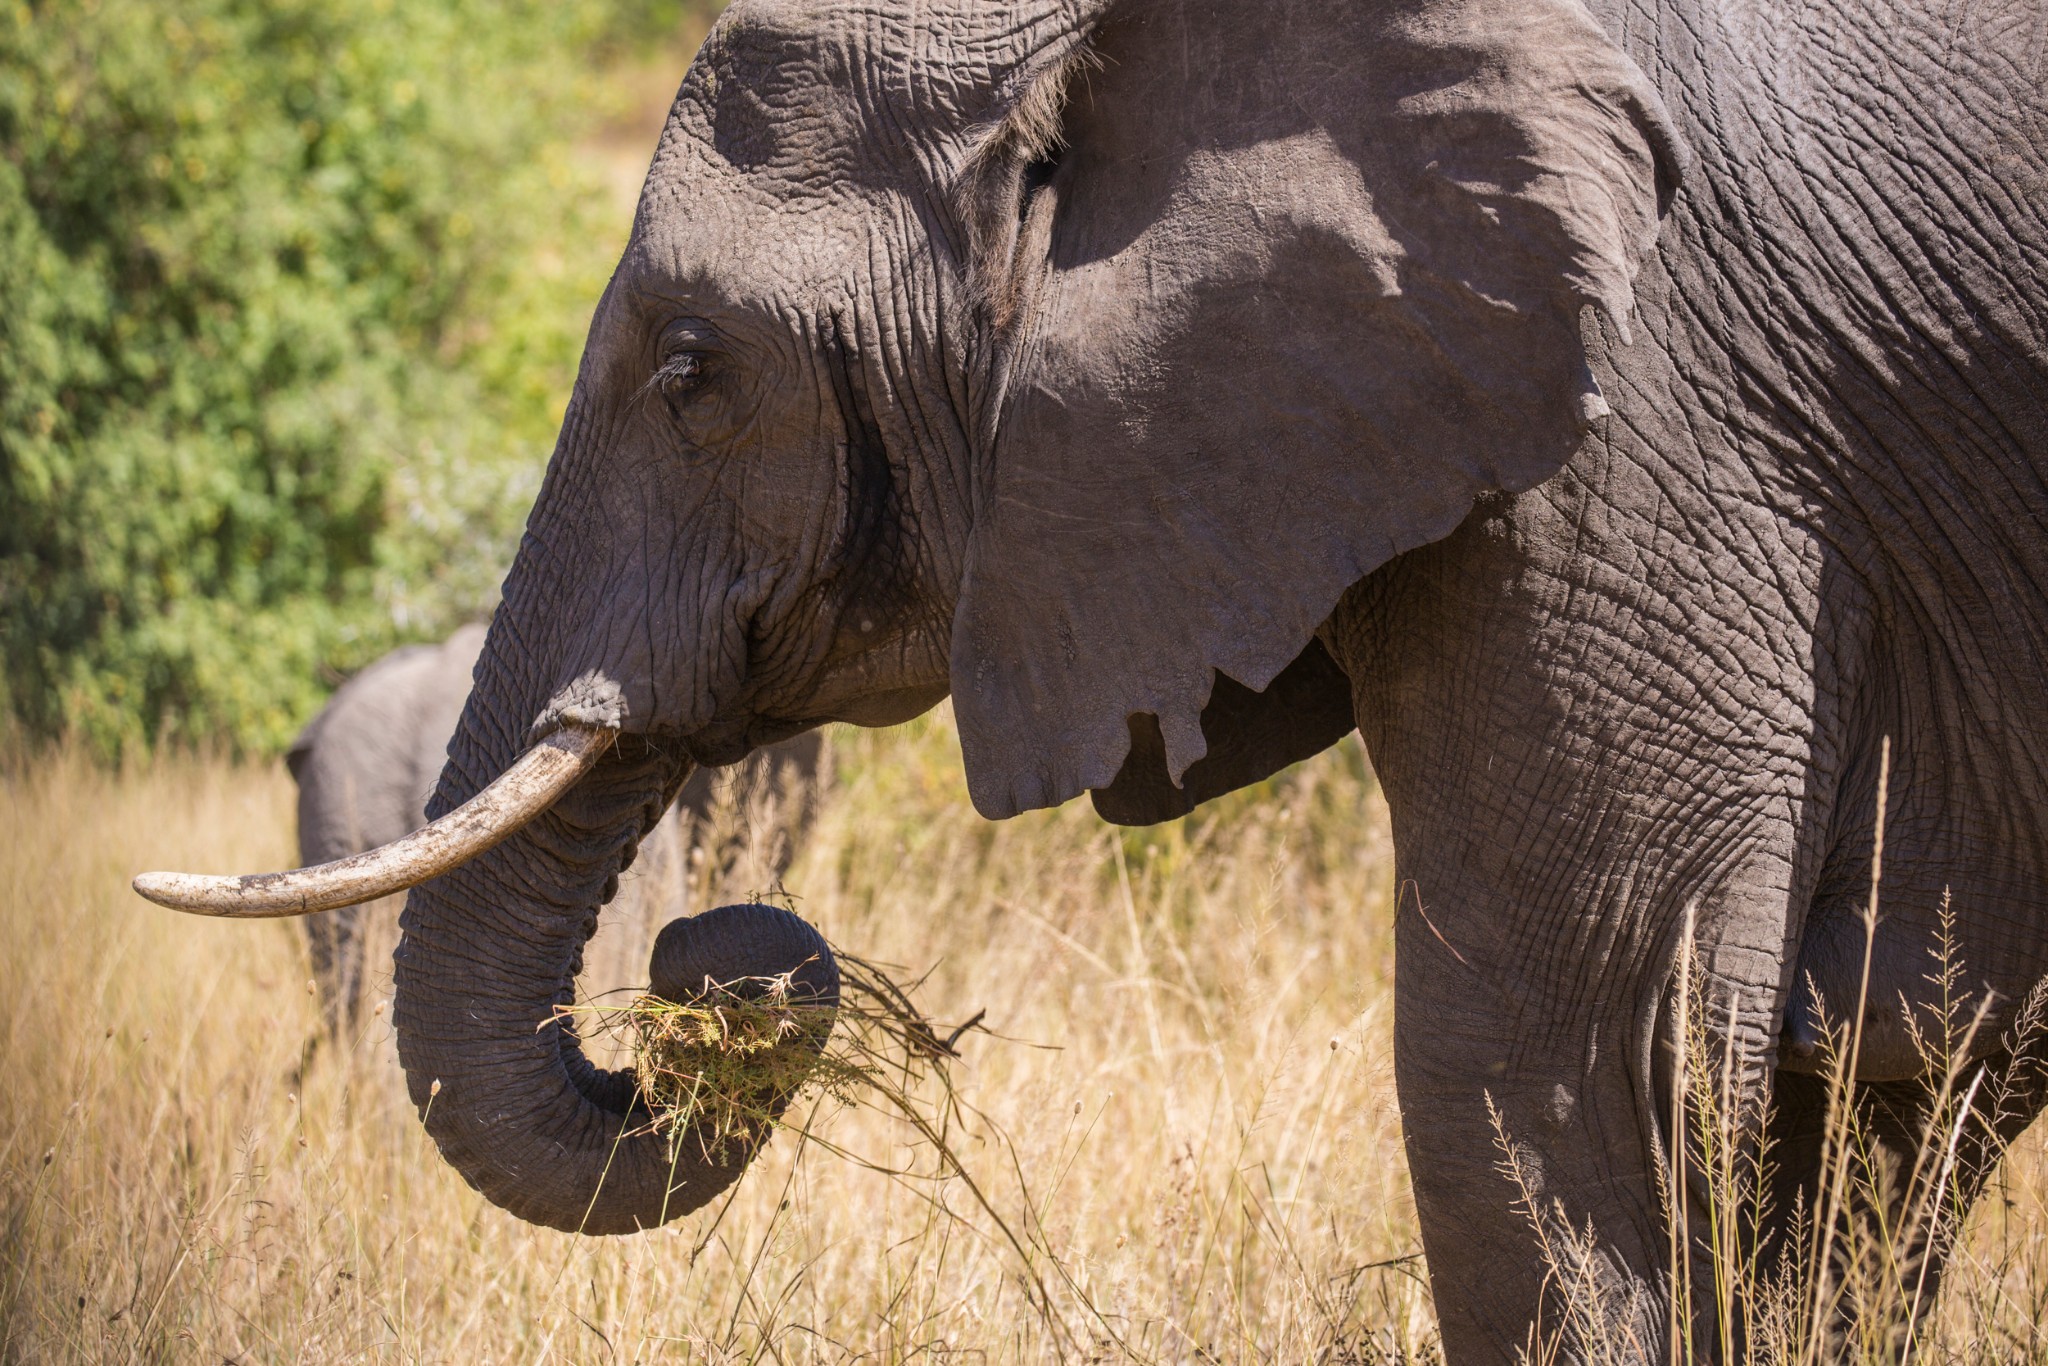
x=1629, y=416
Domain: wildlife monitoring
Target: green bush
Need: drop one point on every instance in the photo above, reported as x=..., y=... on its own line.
x=293, y=291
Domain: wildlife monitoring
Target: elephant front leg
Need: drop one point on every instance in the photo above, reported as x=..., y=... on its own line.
x=1569, y=790
x=1535, y=1174
x=1540, y=1087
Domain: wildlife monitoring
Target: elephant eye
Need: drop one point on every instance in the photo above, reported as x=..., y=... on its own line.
x=678, y=376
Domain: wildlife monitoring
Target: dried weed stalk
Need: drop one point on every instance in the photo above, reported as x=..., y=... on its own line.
x=1853, y=1281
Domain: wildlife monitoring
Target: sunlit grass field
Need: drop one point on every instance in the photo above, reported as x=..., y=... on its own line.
x=1183, y=1144
x=1190, y=1129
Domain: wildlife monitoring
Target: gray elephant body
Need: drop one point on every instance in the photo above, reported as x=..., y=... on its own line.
x=367, y=764
x=1812, y=545
x=1631, y=417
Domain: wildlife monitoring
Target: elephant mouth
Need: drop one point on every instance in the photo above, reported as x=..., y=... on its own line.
x=529, y=787
x=718, y=745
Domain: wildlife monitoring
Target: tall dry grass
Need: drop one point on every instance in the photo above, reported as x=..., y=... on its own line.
x=1190, y=1150
x=1191, y=1140
x=1849, y=1278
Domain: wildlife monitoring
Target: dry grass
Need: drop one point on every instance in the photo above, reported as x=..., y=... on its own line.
x=711, y=1071
x=1179, y=1143
x=1183, y=1145
x=1855, y=1289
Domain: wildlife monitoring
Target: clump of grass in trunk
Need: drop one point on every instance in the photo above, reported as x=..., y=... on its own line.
x=725, y=1067
x=721, y=1068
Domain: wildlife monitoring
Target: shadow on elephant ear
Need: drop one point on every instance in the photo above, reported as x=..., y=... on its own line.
x=1251, y=735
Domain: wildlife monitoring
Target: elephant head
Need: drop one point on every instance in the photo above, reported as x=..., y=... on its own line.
x=1069, y=356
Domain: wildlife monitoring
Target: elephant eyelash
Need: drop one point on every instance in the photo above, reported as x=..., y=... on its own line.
x=675, y=378
x=679, y=371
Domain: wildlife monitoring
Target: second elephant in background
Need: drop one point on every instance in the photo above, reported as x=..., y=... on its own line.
x=367, y=763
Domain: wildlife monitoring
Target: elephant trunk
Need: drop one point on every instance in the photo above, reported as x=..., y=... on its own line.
x=490, y=949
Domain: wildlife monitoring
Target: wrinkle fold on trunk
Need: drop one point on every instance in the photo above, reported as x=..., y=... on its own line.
x=487, y=953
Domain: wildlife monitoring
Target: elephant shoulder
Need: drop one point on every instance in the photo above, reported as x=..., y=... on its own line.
x=380, y=720
x=353, y=712
x=442, y=690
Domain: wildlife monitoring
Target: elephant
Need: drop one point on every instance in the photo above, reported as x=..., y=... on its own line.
x=1632, y=417
x=366, y=765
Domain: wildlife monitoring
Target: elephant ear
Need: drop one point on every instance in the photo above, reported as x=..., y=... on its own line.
x=1275, y=300
x=1250, y=736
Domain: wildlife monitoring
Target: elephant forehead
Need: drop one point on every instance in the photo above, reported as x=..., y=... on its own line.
x=710, y=234
x=801, y=98
x=762, y=186
x=808, y=97
x=772, y=95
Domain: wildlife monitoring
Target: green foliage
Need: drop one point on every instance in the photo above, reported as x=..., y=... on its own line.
x=293, y=290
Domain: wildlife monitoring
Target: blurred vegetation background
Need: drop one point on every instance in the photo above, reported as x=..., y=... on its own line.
x=294, y=294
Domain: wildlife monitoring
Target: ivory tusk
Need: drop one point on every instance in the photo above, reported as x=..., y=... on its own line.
x=534, y=782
